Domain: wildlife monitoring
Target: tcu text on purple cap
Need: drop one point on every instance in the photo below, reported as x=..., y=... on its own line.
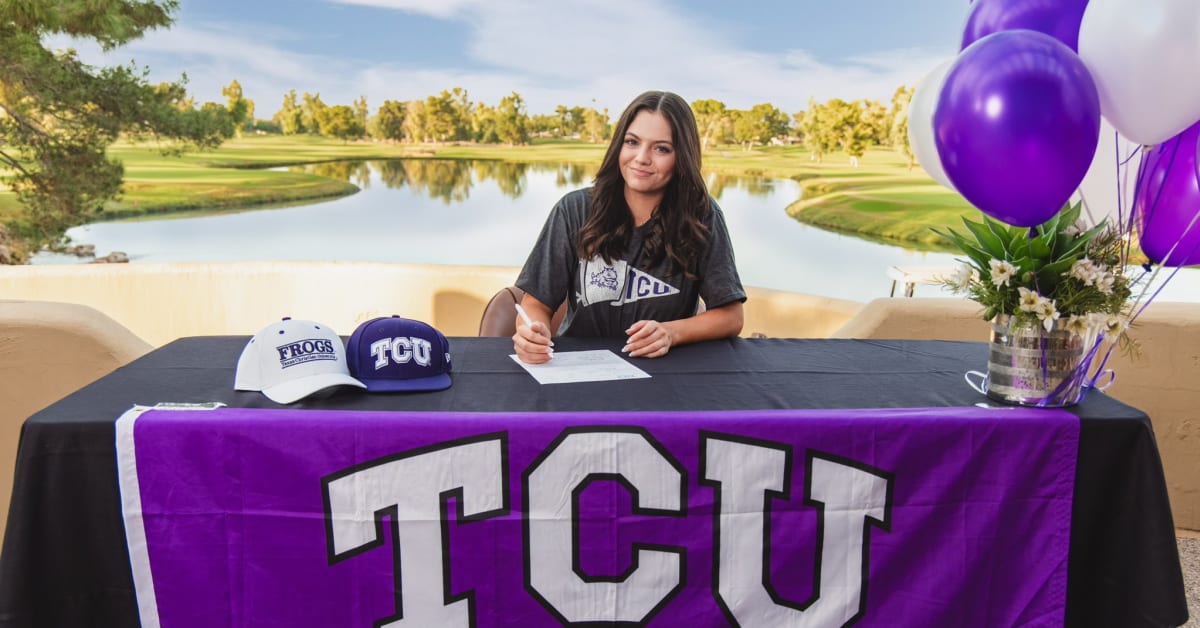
x=401, y=350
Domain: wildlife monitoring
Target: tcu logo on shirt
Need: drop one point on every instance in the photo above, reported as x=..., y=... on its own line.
x=618, y=283
x=401, y=350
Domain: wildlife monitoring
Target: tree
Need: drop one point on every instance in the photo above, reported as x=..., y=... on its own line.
x=758, y=125
x=561, y=112
x=448, y=116
x=512, y=124
x=290, y=116
x=798, y=126
x=712, y=119
x=570, y=120
x=414, y=121
x=845, y=124
x=59, y=115
x=819, y=136
x=361, y=111
x=877, y=124
x=576, y=120
x=545, y=124
x=309, y=109
x=339, y=121
x=595, y=125
x=483, y=119
x=240, y=108
x=899, y=129
x=389, y=121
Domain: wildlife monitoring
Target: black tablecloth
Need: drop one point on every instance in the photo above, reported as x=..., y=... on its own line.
x=64, y=561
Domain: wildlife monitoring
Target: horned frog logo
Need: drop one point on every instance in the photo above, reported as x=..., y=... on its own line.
x=605, y=278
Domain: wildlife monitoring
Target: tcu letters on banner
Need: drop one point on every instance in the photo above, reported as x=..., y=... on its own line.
x=757, y=518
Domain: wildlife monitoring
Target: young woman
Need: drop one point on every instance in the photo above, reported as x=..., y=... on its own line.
x=634, y=254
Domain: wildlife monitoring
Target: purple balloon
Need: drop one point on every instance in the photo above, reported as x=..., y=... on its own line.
x=1167, y=200
x=1059, y=19
x=1016, y=125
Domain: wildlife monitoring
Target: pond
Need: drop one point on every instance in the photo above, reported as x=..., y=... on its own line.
x=489, y=213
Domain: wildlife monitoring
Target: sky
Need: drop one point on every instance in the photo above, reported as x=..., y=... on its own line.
x=597, y=53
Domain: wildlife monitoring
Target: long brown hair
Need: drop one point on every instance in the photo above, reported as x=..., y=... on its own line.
x=678, y=234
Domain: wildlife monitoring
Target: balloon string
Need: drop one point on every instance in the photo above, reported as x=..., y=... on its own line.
x=1128, y=228
x=1123, y=190
x=1174, y=270
x=1077, y=378
x=1033, y=233
x=1138, y=305
x=1117, y=157
x=1174, y=148
x=1170, y=253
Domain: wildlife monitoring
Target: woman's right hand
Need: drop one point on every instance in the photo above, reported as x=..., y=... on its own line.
x=532, y=343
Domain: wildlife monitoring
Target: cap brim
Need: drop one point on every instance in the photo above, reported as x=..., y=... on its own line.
x=297, y=389
x=246, y=377
x=440, y=381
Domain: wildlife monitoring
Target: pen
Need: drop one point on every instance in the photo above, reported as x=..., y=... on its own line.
x=529, y=322
x=523, y=315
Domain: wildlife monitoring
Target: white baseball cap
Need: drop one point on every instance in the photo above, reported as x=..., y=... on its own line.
x=293, y=359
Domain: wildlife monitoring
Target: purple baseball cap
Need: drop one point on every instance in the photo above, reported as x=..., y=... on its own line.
x=394, y=354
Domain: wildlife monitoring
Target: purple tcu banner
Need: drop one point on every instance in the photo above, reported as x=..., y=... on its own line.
x=922, y=517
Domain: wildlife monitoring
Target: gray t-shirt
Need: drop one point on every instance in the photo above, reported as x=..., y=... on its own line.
x=605, y=299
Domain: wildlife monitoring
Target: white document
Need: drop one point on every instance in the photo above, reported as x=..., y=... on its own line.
x=582, y=366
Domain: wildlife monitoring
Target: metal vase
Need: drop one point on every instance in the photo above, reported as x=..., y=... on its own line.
x=1029, y=365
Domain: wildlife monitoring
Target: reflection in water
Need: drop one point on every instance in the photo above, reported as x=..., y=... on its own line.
x=509, y=176
x=450, y=180
x=496, y=211
x=356, y=172
x=753, y=186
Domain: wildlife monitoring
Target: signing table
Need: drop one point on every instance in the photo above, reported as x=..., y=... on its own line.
x=746, y=482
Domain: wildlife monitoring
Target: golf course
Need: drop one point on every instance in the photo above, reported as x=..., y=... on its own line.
x=881, y=199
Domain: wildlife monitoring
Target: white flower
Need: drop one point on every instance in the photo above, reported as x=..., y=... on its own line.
x=1082, y=270
x=1028, y=299
x=963, y=276
x=1078, y=325
x=1002, y=271
x=1046, y=312
x=1075, y=229
x=1105, y=283
x=1115, y=325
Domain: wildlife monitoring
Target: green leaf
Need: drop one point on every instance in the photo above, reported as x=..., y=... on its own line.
x=1079, y=244
x=1036, y=248
x=986, y=240
x=1070, y=214
x=1016, y=240
x=1057, y=268
x=965, y=244
x=1003, y=234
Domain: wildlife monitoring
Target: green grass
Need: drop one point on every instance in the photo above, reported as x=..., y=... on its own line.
x=879, y=200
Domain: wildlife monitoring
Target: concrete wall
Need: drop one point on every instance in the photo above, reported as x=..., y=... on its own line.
x=162, y=302
x=47, y=351
x=1161, y=377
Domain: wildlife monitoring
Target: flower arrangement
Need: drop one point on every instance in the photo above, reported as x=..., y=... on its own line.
x=1060, y=272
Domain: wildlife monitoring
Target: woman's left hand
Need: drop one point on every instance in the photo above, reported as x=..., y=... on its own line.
x=648, y=339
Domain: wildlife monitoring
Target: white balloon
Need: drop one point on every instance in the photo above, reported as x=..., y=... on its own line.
x=1143, y=56
x=1107, y=188
x=920, y=123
